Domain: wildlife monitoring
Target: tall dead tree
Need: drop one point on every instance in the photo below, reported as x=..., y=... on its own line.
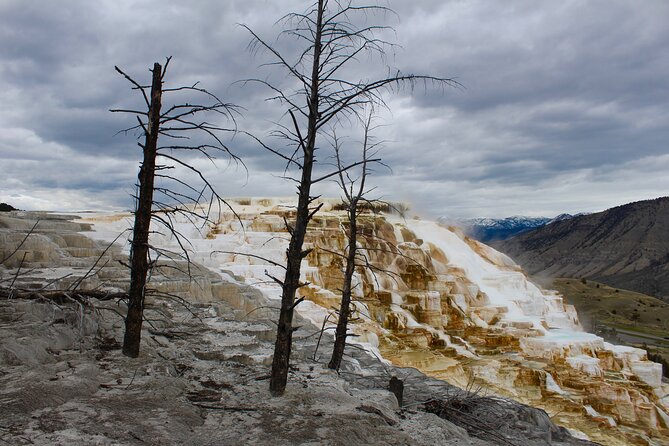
x=332, y=35
x=177, y=197
x=354, y=194
x=139, y=251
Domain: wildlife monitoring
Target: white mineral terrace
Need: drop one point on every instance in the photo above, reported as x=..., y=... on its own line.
x=473, y=280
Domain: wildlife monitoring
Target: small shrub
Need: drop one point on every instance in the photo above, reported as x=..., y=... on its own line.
x=376, y=208
x=340, y=206
x=583, y=281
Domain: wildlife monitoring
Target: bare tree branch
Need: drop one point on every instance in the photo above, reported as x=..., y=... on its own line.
x=329, y=39
x=178, y=122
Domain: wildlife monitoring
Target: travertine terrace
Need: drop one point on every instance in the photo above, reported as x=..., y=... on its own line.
x=454, y=309
x=449, y=306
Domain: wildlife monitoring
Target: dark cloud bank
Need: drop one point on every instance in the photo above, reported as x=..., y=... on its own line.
x=563, y=106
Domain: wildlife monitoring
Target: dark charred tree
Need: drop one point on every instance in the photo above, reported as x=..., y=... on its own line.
x=161, y=203
x=332, y=35
x=354, y=193
x=139, y=252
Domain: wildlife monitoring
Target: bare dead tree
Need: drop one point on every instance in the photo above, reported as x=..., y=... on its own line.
x=354, y=192
x=162, y=196
x=332, y=39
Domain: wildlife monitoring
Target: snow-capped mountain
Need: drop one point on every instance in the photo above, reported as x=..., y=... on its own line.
x=489, y=229
x=565, y=217
x=494, y=229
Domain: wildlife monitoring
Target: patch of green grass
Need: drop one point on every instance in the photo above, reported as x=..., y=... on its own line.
x=597, y=303
x=602, y=305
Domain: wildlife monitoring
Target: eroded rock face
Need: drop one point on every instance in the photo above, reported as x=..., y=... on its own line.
x=457, y=310
x=515, y=338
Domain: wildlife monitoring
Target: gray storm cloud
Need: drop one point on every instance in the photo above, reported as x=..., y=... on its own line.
x=563, y=105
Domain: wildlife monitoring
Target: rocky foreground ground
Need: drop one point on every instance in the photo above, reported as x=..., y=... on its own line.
x=201, y=378
x=204, y=382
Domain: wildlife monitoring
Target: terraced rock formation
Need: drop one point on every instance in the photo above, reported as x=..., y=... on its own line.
x=435, y=300
x=201, y=376
x=456, y=310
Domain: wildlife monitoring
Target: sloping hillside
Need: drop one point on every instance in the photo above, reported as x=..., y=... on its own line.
x=626, y=246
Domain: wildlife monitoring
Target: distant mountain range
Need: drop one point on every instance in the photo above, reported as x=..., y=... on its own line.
x=488, y=230
x=626, y=247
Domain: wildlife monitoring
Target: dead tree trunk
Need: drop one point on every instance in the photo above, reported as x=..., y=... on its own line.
x=173, y=197
x=353, y=195
x=345, y=306
x=291, y=283
x=333, y=40
x=140, y=237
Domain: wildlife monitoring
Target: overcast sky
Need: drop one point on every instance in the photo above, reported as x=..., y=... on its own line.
x=564, y=105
